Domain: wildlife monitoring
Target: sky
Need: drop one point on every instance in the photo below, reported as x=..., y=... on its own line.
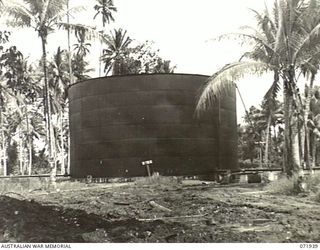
x=183, y=30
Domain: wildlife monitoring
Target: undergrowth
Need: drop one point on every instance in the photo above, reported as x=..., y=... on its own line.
x=29, y=185
x=317, y=197
x=283, y=185
x=158, y=180
x=309, y=184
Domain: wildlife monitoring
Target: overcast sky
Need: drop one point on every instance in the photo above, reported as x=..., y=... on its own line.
x=183, y=31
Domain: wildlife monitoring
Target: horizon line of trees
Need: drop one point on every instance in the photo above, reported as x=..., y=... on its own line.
x=261, y=136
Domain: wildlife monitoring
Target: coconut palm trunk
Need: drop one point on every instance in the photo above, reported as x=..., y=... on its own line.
x=4, y=154
x=314, y=150
x=291, y=140
x=29, y=143
x=100, y=56
x=47, y=107
x=266, y=152
x=309, y=94
x=69, y=48
x=62, y=160
x=21, y=165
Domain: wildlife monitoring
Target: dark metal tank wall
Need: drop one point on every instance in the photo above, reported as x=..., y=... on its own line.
x=117, y=122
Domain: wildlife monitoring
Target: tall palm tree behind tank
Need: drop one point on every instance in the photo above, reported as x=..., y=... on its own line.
x=105, y=9
x=281, y=46
x=115, y=53
x=44, y=17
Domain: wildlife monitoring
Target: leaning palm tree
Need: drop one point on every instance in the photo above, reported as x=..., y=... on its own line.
x=116, y=52
x=280, y=44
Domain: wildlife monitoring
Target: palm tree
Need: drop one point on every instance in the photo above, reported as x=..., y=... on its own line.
x=105, y=9
x=268, y=116
x=43, y=17
x=280, y=45
x=309, y=68
x=58, y=69
x=16, y=90
x=116, y=52
x=82, y=47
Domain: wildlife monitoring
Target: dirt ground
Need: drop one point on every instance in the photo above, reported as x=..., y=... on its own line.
x=193, y=211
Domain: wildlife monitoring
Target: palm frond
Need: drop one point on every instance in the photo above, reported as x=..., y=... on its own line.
x=65, y=12
x=90, y=32
x=274, y=89
x=222, y=81
x=20, y=15
x=313, y=35
x=257, y=38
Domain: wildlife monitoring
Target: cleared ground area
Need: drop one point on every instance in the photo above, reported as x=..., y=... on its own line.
x=168, y=211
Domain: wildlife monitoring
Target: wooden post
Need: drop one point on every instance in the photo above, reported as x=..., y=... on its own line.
x=148, y=170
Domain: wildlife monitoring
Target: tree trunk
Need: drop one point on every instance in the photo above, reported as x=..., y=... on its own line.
x=69, y=152
x=69, y=49
x=266, y=152
x=309, y=93
x=29, y=140
x=5, y=170
x=291, y=138
x=47, y=102
x=4, y=154
x=100, y=61
x=63, y=169
x=287, y=163
x=21, y=168
x=295, y=146
x=314, y=150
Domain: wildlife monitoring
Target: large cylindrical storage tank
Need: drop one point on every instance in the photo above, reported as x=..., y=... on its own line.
x=117, y=122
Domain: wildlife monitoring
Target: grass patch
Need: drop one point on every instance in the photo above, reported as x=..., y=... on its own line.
x=158, y=180
x=28, y=185
x=70, y=185
x=309, y=184
x=313, y=182
x=284, y=185
x=313, y=185
x=317, y=197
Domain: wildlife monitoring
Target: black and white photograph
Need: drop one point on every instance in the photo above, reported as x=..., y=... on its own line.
x=159, y=121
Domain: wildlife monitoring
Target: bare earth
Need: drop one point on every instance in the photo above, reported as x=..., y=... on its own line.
x=189, y=212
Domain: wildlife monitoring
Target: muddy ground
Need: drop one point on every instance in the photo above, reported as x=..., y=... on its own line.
x=193, y=211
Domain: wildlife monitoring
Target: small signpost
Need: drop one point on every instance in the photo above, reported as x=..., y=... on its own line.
x=147, y=164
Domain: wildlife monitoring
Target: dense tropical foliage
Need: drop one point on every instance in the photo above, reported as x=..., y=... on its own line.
x=34, y=132
x=285, y=42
